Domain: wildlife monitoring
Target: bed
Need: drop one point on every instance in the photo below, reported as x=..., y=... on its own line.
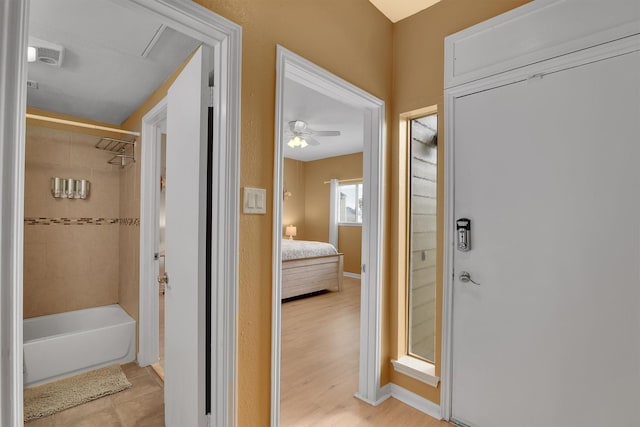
x=310, y=267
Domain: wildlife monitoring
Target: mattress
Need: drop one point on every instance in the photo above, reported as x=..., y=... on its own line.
x=296, y=249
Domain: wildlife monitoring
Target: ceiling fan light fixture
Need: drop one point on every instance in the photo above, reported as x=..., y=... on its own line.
x=297, y=142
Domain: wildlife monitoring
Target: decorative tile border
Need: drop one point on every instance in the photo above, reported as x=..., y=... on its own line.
x=81, y=221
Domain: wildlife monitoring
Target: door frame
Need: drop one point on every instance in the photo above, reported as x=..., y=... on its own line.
x=568, y=50
x=292, y=66
x=148, y=317
x=195, y=21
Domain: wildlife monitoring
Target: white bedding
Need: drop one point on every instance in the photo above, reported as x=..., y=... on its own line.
x=296, y=249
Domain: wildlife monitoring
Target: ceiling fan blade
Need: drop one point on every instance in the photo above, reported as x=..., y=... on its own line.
x=311, y=141
x=325, y=132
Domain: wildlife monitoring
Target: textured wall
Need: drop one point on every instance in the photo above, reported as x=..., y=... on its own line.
x=350, y=244
x=418, y=82
x=317, y=192
x=293, y=210
x=351, y=39
x=317, y=205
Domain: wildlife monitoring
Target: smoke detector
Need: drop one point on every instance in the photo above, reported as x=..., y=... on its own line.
x=45, y=52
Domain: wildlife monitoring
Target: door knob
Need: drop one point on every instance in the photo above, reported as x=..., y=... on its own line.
x=465, y=277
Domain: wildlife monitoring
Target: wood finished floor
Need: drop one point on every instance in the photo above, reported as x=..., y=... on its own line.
x=140, y=405
x=319, y=373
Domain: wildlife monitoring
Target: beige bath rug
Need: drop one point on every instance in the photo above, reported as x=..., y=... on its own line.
x=47, y=399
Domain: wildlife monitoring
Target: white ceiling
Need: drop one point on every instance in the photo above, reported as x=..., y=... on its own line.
x=322, y=113
x=397, y=10
x=103, y=76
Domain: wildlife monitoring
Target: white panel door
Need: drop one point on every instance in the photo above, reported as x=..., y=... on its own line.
x=548, y=171
x=184, y=386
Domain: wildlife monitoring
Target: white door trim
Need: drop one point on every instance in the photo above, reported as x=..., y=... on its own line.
x=148, y=318
x=593, y=49
x=202, y=24
x=13, y=97
x=294, y=67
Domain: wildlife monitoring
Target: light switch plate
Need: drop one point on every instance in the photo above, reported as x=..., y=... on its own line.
x=255, y=201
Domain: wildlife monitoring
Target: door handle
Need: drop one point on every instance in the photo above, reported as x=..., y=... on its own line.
x=163, y=278
x=465, y=277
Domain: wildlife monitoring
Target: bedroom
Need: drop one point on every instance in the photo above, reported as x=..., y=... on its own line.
x=321, y=202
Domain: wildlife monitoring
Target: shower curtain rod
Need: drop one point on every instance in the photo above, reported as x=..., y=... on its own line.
x=82, y=125
x=346, y=180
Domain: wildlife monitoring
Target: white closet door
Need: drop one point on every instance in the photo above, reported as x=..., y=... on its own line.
x=548, y=171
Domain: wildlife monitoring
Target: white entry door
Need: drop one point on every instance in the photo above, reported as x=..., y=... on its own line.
x=186, y=184
x=548, y=172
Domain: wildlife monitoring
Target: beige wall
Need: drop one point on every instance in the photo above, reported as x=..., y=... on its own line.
x=351, y=39
x=350, y=244
x=317, y=192
x=293, y=206
x=308, y=206
x=74, y=266
x=418, y=82
x=317, y=205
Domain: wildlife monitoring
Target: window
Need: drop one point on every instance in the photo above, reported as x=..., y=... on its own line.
x=350, y=207
x=416, y=355
x=422, y=152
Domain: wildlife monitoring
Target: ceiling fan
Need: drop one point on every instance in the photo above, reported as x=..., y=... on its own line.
x=300, y=134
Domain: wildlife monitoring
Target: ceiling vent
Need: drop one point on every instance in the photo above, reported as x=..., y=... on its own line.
x=46, y=52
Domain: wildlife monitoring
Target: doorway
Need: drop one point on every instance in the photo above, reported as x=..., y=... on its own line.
x=549, y=266
x=187, y=18
x=295, y=68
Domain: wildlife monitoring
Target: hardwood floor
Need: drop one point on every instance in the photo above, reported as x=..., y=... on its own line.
x=319, y=373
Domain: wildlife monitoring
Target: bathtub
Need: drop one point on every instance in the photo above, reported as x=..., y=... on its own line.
x=59, y=345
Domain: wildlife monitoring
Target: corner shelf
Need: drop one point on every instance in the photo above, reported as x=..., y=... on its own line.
x=125, y=151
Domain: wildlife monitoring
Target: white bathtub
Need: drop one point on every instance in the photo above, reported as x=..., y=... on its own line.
x=59, y=345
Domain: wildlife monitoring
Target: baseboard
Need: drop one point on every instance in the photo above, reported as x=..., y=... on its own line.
x=352, y=275
x=384, y=393
x=415, y=401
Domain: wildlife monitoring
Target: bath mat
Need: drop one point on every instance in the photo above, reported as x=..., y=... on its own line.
x=47, y=399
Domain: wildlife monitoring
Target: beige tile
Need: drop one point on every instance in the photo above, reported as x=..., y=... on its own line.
x=35, y=260
x=104, y=196
x=38, y=201
x=40, y=422
x=47, y=146
x=84, y=152
x=141, y=385
x=35, y=272
x=147, y=410
x=105, y=259
x=46, y=233
x=69, y=256
x=140, y=405
x=99, y=412
x=132, y=370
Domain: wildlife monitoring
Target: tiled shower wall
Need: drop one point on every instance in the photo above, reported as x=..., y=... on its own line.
x=71, y=247
x=130, y=237
x=79, y=253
